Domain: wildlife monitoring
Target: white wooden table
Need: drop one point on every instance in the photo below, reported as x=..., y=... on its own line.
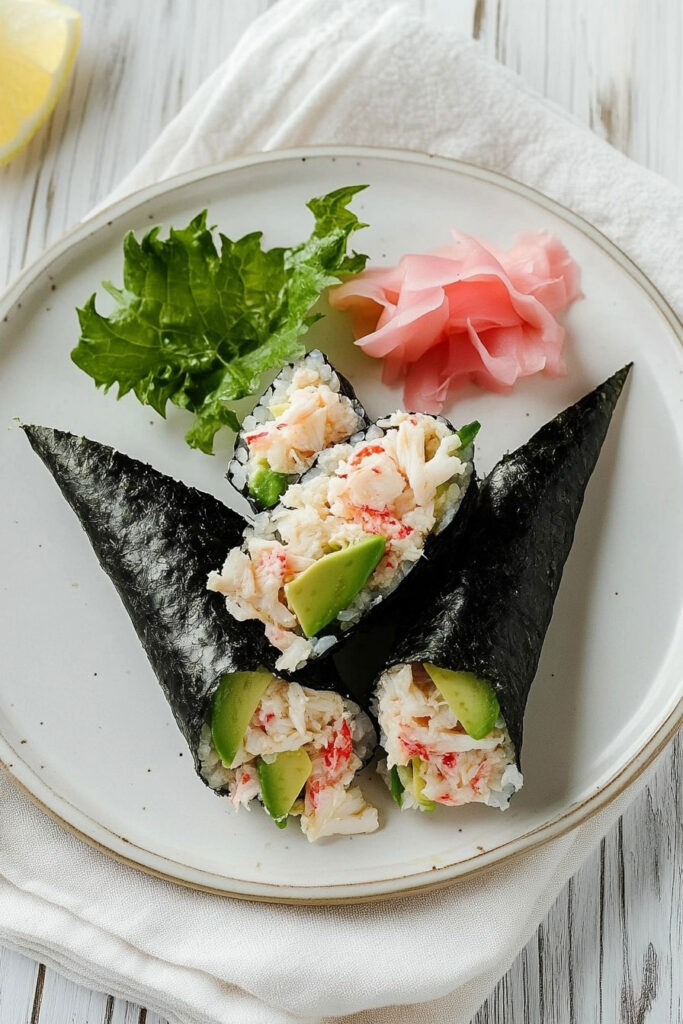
x=611, y=949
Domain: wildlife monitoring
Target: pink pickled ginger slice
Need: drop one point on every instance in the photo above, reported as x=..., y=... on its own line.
x=467, y=311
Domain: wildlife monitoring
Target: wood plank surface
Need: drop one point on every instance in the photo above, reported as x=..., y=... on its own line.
x=18, y=982
x=611, y=949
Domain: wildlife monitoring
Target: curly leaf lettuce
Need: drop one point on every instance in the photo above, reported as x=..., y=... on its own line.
x=198, y=327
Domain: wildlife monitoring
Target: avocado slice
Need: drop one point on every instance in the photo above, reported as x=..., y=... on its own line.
x=318, y=595
x=266, y=486
x=282, y=780
x=410, y=777
x=396, y=786
x=234, y=702
x=472, y=699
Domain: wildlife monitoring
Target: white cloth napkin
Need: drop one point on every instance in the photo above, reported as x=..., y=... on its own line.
x=359, y=72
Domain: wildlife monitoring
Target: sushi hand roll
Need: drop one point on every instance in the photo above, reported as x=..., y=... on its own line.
x=451, y=703
x=308, y=407
x=445, y=739
x=295, y=749
x=156, y=539
x=342, y=539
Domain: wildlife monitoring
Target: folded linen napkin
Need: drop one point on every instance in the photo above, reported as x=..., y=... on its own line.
x=362, y=72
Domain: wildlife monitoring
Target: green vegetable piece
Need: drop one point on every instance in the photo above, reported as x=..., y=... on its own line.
x=282, y=780
x=266, y=486
x=468, y=433
x=470, y=698
x=397, y=787
x=197, y=325
x=318, y=595
x=410, y=777
x=234, y=703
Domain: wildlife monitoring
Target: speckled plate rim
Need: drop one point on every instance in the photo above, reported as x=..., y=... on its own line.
x=126, y=852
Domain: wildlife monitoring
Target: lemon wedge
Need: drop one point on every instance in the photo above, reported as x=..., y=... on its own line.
x=38, y=44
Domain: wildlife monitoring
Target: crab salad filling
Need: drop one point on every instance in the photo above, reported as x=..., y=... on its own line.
x=303, y=412
x=364, y=512
x=332, y=737
x=431, y=758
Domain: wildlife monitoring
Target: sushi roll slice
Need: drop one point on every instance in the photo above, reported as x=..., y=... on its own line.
x=295, y=749
x=156, y=539
x=451, y=703
x=368, y=513
x=308, y=407
x=436, y=754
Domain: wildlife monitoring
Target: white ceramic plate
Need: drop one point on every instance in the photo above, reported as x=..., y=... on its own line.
x=84, y=726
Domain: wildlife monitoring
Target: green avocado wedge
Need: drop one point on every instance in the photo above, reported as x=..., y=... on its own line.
x=235, y=701
x=282, y=780
x=318, y=595
x=266, y=486
x=396, y=786
x=410, y=777
x=470, y=698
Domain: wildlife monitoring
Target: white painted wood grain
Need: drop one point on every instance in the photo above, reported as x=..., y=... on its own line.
x=611, y=949
x=83, y=1004
x=64, y=1001
x=138, y=63
x=18, y=977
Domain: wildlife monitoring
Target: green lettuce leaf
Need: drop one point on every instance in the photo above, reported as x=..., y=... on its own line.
x=198, y=327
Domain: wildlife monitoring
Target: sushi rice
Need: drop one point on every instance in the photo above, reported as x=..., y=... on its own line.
x=404, y=478
x=337, y=736
x=416, y=722
x=307, y=408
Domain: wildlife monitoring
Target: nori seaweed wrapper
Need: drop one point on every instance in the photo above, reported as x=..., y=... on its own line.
x=157, y=539
x=239, y=460
x=494, y=602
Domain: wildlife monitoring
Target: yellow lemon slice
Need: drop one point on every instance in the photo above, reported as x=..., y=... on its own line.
x=38, y=44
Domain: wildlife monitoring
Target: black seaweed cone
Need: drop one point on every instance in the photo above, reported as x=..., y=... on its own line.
x=491, y=611
x=157, y=540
